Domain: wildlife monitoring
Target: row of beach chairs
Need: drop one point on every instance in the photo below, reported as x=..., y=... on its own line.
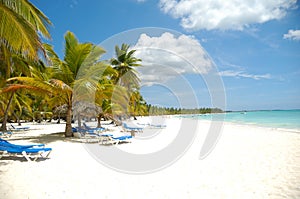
x=33, y=152
x=101, y=138
x=89, y=134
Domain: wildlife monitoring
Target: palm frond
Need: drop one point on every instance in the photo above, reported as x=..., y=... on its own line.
x=16, y=87
x=31, y=84
x=31, y=14
x=17, y=34
x=75, y=53
x=60, y=85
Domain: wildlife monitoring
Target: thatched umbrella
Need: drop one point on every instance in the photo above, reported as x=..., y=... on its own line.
x=85, y=109
x=59, y=111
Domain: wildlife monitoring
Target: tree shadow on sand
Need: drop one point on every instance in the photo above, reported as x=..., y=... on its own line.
x=46, y=138
x=2, y=163
x=19, y=159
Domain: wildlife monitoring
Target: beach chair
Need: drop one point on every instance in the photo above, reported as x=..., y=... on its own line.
x=81, y=130
x=132, y=128
x=112, y=140
x=85, y=135
x=5, y=134
x=124, y=138
x=30, y=154
x=152, y=125
x=160, y=126
x=143, y=124
x=20, y=128
x=5, y=143
x=92, y=129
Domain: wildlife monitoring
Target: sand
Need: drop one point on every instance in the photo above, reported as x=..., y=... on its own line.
x=247, y=162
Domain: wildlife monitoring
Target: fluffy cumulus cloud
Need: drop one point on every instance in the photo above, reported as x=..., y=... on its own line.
x=225, y=14
x=168, y=56
x=293, y=35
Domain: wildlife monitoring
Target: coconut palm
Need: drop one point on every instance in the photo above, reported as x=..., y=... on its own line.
x=14, y=66
x=21, y=25
x=111, y=98
x=124, y=64
x=77, y=74
x=137, y=105
x=15, y=98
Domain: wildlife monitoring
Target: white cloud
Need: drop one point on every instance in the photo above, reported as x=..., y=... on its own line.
x=238, y=71
x=292, y=34
x=225, y=14
x=242, y=74
x=167, y=56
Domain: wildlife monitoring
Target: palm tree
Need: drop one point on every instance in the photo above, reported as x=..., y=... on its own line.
x=13, y=66
x=127, y=76
x=137, y=105
x=111, y=98
x=124, y=64
x=77, y=74
x=21, y=25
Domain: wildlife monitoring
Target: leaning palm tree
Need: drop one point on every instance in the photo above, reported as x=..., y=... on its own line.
x=124, y=64
x=21, y=25
x=15, y=65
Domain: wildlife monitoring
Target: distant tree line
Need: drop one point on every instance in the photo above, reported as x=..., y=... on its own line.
x=156, y=110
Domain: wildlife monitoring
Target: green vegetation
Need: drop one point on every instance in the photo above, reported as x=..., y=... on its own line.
x=36, y=84
x=155, y=110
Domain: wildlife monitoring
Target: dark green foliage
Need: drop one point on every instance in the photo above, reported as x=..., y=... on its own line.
x=155, y=110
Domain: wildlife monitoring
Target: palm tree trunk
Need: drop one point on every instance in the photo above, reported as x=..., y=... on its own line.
x=17, y=119
x=3, y=127
x=79, y=120
x=68, y=130
x=99, y=120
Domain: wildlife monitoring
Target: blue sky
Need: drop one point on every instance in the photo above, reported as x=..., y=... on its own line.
x=254, y=47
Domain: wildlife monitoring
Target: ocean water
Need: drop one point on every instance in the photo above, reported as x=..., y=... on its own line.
x=281, y=119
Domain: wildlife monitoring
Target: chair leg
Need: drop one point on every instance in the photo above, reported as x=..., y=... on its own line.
x=26, y=156
x=2, y=154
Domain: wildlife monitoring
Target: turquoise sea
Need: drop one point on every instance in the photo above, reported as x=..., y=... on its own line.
x=281, y=119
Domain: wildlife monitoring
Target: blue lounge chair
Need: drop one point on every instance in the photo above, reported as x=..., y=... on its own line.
x=131, y=128
x=86, y=135
x=20, y=128
x=5, y=143
x=92, y=129
x=109, y=139
x=6, y=134
x=30, y=153
x=81, y=130
x=124, y=137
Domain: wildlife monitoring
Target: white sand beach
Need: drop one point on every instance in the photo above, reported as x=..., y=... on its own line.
x=247, y=162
